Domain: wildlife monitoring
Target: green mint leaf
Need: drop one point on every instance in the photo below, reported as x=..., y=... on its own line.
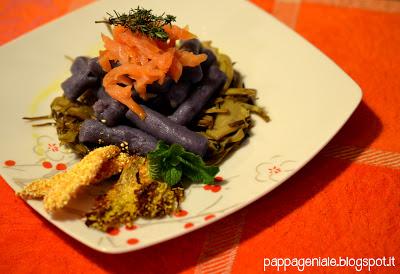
x=154, y=170
x=198, y=173
x=160, y=151
x=173, y=176
x=171, y=163
x=155, y=157
x=194, y=159
x=174, y=151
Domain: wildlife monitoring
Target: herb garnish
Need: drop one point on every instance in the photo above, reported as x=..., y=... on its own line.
x=143, y=21
x=171, y=163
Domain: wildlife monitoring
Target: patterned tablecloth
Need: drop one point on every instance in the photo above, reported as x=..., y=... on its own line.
x=345, y=202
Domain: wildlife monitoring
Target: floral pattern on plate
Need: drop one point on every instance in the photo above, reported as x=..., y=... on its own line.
x=274, y=170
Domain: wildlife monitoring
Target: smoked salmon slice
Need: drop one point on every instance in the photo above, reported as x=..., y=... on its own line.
x=142, y=61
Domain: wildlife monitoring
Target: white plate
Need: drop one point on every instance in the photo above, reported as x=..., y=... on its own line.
x=307, y=96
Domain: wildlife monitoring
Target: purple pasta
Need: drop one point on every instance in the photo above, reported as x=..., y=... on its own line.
x=211, y=59
x=108, y=110
x=94, y=68
x=102, y=94
x=86, y=74
x=211, y=83
x=192, y=45
x=194, y=74
x=138, y=142
x=160, y=103
x=156, y=88
x=178, y=93
x=77, y=84
x=110, y=113
x=80, y=64
x=154, y=91
x=162, y=128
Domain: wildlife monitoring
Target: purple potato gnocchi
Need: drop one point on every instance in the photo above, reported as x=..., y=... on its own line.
x=192, y=106
x=163, y=128
x=86, y=74
x=133, y=139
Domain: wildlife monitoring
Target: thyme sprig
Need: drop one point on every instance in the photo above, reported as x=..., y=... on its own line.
x=143, y=21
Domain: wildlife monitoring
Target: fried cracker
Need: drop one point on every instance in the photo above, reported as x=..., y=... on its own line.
x=113, y=166
x=36, y=189
x=66, y=184
x=39, y=188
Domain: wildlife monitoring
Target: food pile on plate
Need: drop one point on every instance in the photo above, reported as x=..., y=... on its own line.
x=157, y=110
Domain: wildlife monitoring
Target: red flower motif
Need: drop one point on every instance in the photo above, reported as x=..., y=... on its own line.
x=209, y=217
x=131, y=227
x=216, y=188
x=47, y=164
x=9, y=163
x=274, y=170
x=207, y=187
x=53, y=147
x=213, y=188
x=181, y=213
x=113, y=231
x=132, y=241
x=61, y=166
x=188, y=225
